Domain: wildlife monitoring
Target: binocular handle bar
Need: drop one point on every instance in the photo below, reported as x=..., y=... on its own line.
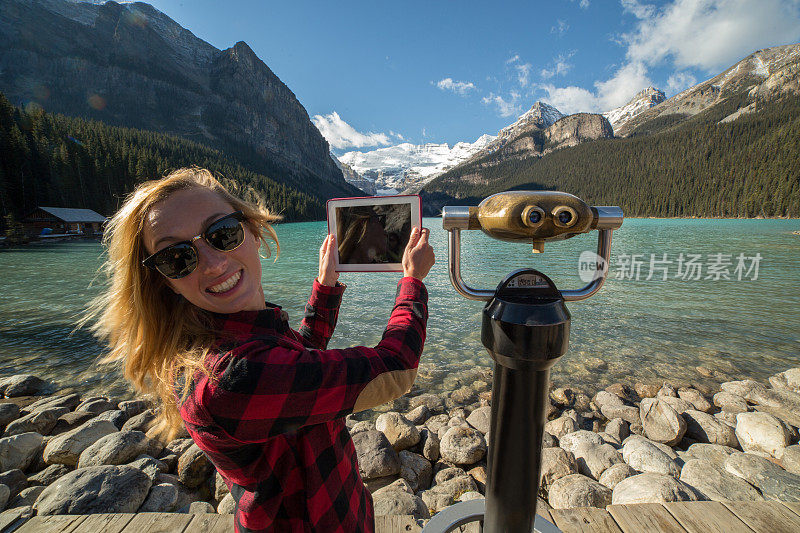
x=456, y=218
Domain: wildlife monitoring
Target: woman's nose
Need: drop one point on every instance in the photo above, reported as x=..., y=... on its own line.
x=212, y=261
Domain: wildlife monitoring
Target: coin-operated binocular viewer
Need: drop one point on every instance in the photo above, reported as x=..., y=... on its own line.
x=526, y=329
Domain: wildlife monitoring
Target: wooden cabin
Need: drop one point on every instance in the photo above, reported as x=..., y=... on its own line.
x=64, y=221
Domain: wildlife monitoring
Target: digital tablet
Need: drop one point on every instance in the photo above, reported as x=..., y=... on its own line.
x=372, y=232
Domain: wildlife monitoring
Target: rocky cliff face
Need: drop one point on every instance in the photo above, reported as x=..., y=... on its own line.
x=765, y=74
x=132, y=65
x=642, y=101
x=577, y=128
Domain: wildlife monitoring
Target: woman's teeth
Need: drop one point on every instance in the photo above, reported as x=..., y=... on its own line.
x=227, y=284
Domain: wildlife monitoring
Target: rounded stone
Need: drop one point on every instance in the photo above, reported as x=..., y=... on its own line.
x=791, y=459
x=446, y=493
x=399, y=431
x=160, y=499
x=8, y=413
x=480, y=419
x=19, y=451
x=571, y=441
x=193, y=467
x=114, y=449
x=704, y=427
x=464, y=446
x=653, y=488
x=594, y=459
x=696, y=398
x=22, y=385
x=376, y=457
x=67, y=447
x=227, y=505
x=616, y=473
x=398, y=502
x=645, y=456
x=774, y=482
x=661, y=422
x=576, y=490
x=730, y=402
x=97, y=489
x=415, y=469
x=761, y=432
x=561, y=426
x=717, y=484
x=556, y=463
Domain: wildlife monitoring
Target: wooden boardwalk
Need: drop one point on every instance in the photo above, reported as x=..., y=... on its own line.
x=679, y=517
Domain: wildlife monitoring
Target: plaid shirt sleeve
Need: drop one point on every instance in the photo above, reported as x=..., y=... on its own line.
x=321, y=314
x=267, y=387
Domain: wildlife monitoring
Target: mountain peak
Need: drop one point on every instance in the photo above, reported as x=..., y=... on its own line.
x=541, y=113
x=641, y=101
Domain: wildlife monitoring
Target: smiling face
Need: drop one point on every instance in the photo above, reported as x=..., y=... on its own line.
x=223, y=282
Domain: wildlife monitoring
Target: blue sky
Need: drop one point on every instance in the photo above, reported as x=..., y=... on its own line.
x=376, y=73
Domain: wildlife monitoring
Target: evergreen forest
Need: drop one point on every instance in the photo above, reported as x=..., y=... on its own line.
x=672, y=166
x=58, y=161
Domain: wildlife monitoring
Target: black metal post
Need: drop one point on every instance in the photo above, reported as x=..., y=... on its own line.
x=525, y=329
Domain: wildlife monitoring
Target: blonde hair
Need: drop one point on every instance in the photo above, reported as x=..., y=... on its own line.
x=161, y=337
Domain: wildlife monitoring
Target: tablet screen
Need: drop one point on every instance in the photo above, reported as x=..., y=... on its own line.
x=372, y=233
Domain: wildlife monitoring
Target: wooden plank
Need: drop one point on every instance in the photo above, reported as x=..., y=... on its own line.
x=584, y=520
x=794, y=506
x=158, y=523
x=11, y=519
x=765, y=517
x=210, y=523
x=102, y=522
x=51, y=524
x=702, y=517
x=638, y=517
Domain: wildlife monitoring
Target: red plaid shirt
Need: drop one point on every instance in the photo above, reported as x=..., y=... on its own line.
x=272, y=421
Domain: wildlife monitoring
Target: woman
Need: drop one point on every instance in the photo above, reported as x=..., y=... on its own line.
x=185, y=309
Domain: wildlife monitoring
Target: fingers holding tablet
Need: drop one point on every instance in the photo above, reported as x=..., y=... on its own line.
x=327, y=262
x=419, y=257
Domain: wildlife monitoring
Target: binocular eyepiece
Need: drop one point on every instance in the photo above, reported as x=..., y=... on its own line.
x=532, y=216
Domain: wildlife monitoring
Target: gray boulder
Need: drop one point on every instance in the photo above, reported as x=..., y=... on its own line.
x=696, y=398
x=446, y=493
x=15, y=480
x=561, y=426
x=418, y=415
x=161, y=499
x=730, y=402
x=761, y=432
x=115, y=416
x=49, y=474
x=399, y=431
x=97, y=489
x=788, y=380
x=618, y=429
x=628, y=413
x=437, y=422
x=463, y=446
x=19, y=451
x=398, y=502
x=8, y=413
x=193, y=467
x=661, y=422
x=22, y=385
x=645, y=456
x=141, y=422
x=69, y=421
x=594, y=459
x=571, y=441
x=480, y=419
x=227, y=505
x=96, y=405
x=714, y=453
x=376, y=457
x=791, y=459
x=114, y=449
x=717, y=484
x=428, y=445
x=616, y=473
x=5, y=492
x=26, y=497
x=415, y=469
x=774, y=482
x=149, y=465
x=132, y=408
x=38, y=421
x=556, y=463
x=653, y=488
x=67, y=447
x=576, y=490
x=704, y=427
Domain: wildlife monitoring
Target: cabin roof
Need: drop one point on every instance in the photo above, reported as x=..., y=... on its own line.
x=69, y=214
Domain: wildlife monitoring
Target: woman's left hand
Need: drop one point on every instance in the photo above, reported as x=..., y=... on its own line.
x=327, y=266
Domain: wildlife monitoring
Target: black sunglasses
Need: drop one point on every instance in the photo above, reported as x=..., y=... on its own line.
x=180, y=259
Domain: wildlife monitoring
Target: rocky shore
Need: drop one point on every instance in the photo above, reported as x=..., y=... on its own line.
x=64, y=454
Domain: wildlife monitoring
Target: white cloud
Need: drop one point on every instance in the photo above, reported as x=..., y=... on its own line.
x=584, y=4
x=523, y=70
x=342, y=135
x=709, y=34
x=507, y=107
x=560, y=66
x=458, y=87
x=680, y=81
x=637, y=9
x=399, y=137
x=512, y=59
x=560, y=28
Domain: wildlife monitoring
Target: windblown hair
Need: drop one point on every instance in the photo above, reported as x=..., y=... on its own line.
x=161, y=337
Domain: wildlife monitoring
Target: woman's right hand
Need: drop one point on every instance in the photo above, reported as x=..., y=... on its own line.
x=418, y=257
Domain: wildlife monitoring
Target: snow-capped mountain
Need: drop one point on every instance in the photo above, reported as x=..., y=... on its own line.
x=395, y=168
x=643, y=101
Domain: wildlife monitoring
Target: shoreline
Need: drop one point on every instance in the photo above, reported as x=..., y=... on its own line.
x=627, y=443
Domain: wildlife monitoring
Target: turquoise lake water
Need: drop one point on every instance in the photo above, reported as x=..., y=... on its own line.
x=645, y=330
